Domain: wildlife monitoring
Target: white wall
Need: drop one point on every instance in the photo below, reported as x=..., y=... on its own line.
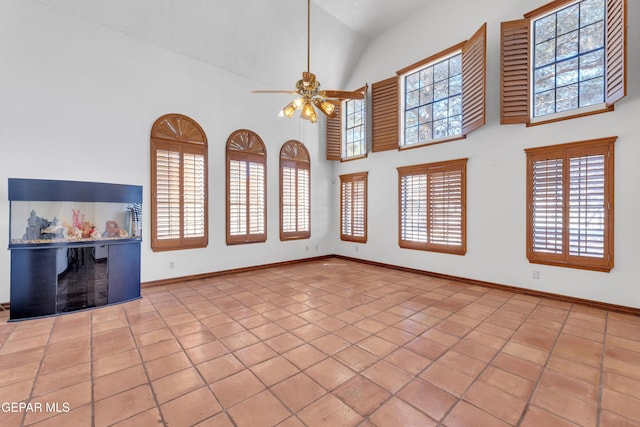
x=496, y=168
x=77, y=102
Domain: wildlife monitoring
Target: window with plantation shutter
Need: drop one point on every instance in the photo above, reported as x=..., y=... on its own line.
x=355, y=128
x=565, y=59
x=443, y=97
x=295, y=191
x=353, y=207
x=432, y=207
x=246, y=188
x=347, y=130
x=179, y=184
x=570, y=204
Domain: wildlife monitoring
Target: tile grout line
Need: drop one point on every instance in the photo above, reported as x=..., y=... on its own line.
x=602, y=369
x=544, y=366
x=144, y=367
x=487, y=365
x=33, y=387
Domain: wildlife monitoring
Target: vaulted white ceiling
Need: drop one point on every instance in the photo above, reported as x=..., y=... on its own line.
x=262, y=40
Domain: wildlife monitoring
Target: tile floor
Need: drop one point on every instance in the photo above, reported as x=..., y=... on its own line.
x=324, y=343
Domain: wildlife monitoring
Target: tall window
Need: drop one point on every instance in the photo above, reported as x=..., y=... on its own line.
x=432, y=206
x=179, y=184
x=355, y=128
x=569, y=61
x=295, y=191
x=442, y=98
x=347, y=130
x=246, y=188
x=570, y=204
x=565, y=59
x=353, y=207
x=433, y=101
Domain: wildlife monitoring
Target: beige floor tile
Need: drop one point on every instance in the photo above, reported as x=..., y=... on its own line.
x=328, y=342
x=260, y=410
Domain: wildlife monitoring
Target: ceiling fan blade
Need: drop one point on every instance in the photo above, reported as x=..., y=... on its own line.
x=341, y=94
x=291, y=92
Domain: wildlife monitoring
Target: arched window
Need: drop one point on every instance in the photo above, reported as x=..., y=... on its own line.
x=246, y=188
x=179, y=184
x=295, y=192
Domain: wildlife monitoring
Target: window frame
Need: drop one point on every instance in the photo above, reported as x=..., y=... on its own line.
x=247, y=147
x=353, y=178
x=473, y=93
x=516, y=65
x=345, y=126
x=457, y=166
x=180, y=134
x=337, y=130
x=596, y=107
x=295, y=155
x=600, y=147
x=446, y=55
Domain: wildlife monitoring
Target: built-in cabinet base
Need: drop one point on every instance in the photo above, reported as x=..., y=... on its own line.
x=55, y=280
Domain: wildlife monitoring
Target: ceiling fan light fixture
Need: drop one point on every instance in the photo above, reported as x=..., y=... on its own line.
x=308, y=112
x=310, y=94
x=291, y=108
x=328, y=108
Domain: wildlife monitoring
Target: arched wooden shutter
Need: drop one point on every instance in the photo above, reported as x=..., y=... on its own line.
x=295, y=191
x=179, y=199
x=246, y=188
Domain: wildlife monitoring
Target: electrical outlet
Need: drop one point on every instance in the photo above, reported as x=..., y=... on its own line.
x=172, y=264
x=536, y=274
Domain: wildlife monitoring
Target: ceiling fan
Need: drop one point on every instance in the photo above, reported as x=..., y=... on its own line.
x=309, y=92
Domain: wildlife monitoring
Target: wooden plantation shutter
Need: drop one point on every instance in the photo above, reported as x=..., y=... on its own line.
x=474, y=77
x=295, y=196
x=547, y=216
x=334, y=133
x=167, y=192
x=570, y=204
x=385, y=102
x=179, y=184
x=514, y=72
x=193, y=195
x=516, y=58
x=446, y=210
x=413, y=207
x=353, y=207
x=616, y=51
x=432, y=207
x=246, y=188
